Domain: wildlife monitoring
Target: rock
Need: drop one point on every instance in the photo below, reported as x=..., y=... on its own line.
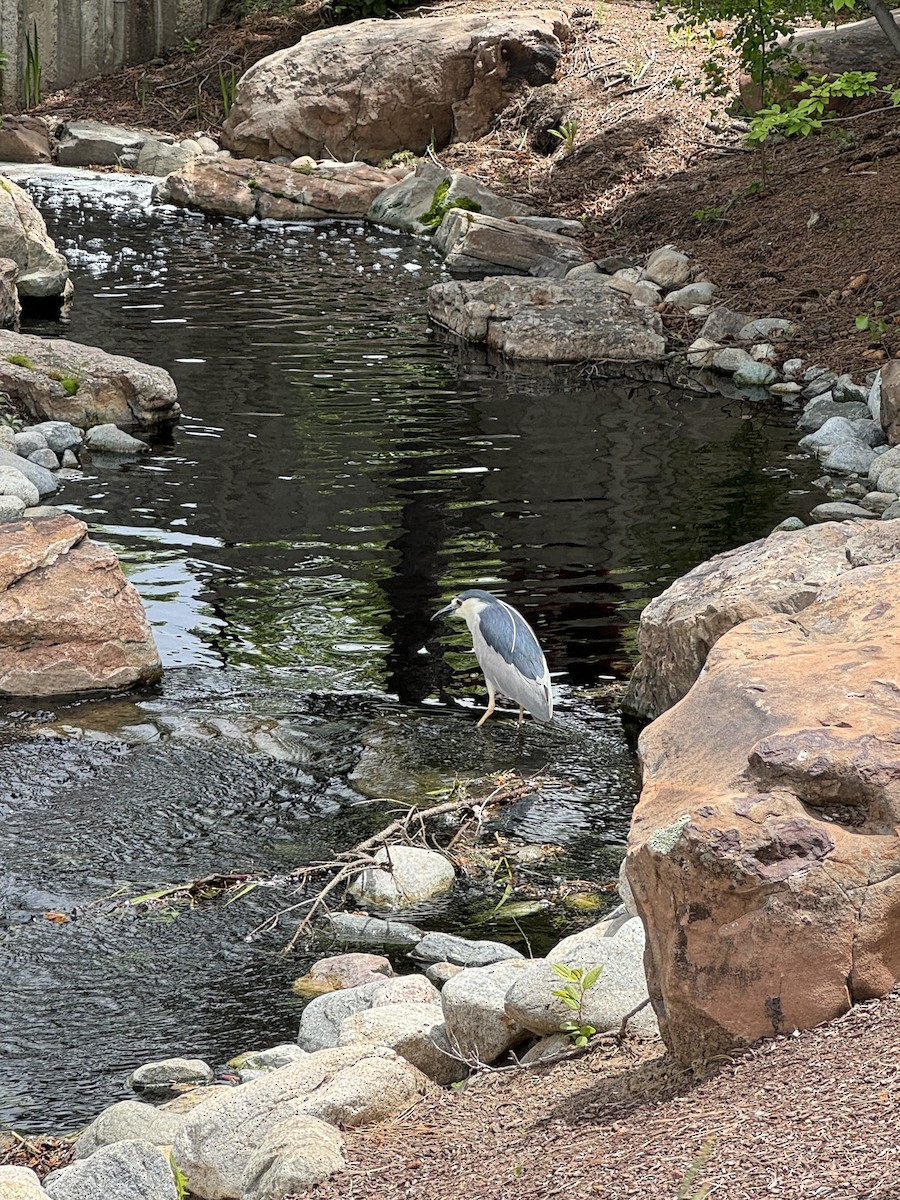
x=418, y=202
x=161, y=158
x=359, y=929
x=855, y=46
x=293, y=1157
x=10, y=308
x=275, y=192
x=69, y=460
x=7, y=438
x=109, y=439
x=547, y=320
x=14, y=483
x=562, y=225
x=764, y=327
x=257, y=1062
x=20, y=1183
x=702, y=351
x=875, y=400
x=127, y=1121
x=530, y=1001
x=463, y=952
x=784, y=389
x=878, y=501
x=840, y=510
x=755, y=374
x=889, y=461
x=342, y=971
x=43, y=272
x=166, y=1071
x=547, y=1049
x=792, y=367
x=822, y=385
x=823, y=408
x=126, y=1170
x=846, y=390
x=889, y=401
x=45, y=458
x=438, y=973
x=762, y=855
x=788, y=524
x=647, y=293
x=691, y=294
x=372, y=88
x=668, y=267
x=732, y=359
x=95, y=144
x=11, y=507
x=404, y=877
x=478, y=245
x=478, y=1027
x=763, y=352
x=58, y=380
x=623, y=887
x=892, y=512
x=320, y=1024
x=24, y=139
x=782, y=573
x=28, y=441
x=723, y=323
x=848, y=458
x=834, y=431
x=58, y=435
x=43, y=480
x=348, y=1086
x=414, y=1031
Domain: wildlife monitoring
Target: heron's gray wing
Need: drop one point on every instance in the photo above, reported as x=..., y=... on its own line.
x=509, y=635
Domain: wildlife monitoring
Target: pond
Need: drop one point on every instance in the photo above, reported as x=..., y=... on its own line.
x=340, y=471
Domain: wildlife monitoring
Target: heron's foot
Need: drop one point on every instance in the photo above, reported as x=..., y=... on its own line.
x=487, y=712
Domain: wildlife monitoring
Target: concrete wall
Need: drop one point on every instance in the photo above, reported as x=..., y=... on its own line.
x=79, y=39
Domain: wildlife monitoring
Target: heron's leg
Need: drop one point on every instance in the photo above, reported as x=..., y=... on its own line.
x=521, y=714
x=492, y=699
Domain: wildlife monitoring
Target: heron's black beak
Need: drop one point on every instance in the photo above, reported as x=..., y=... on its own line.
x=441, y=611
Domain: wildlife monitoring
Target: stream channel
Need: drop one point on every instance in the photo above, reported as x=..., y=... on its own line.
x=340, y=471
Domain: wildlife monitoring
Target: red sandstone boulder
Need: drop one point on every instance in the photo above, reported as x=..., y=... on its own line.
x=781, y=573
x=764, y=853
x=69, y=620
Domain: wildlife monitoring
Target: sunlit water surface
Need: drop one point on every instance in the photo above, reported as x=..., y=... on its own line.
x=341, y=469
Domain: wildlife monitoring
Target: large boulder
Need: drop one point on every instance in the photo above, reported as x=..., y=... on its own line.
x=24, y=139
x=128, y=1121
x=276, y=192
x=43, y=272
x=323, y=1017
x=782, y=573
x=372, y=88
x=349, y=1086
x=20, y=1183
x=547, y=320
x=418, y=202
x=889, y=401
x=10, y=308
x=69, y=620
x=479, y=245
x=58, y=380
x=764, y=854
x=414, y=1031
x=97, y=144
x=474, y=1002
x=293, y=1157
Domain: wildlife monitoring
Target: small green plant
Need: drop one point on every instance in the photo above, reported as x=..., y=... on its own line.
x=577, y=983
x=191, y=45
x=807, y=114
x=228, y=86
x=567, y=133
x=398, y=159
x=354, y=9
x=31, y=81
x=441, y=205
x=20, y=360
x=873, y=321
x=690, y=1176
x=703, y=215
x=70, y=384
x=181, y=1182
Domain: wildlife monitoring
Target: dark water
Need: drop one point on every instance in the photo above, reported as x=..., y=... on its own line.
x=340, y=471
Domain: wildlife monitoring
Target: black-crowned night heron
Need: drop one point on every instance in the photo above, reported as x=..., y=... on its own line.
x=507, y=651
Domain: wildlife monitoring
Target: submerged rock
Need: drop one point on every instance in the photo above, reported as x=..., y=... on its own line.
x=463, y=952
x=362, y=929
x=374, y=87
x=69, y=620
x=342, y=971
x=109, y=439
x=166, y=1071
x=548, y=320
x=403, y=877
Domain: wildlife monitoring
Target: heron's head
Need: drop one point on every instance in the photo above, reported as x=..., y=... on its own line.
x=466, y=604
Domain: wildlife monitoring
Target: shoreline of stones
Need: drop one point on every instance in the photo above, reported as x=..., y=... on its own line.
x=370, y=1043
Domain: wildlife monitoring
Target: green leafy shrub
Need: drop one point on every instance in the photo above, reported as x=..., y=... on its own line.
x=354, y=10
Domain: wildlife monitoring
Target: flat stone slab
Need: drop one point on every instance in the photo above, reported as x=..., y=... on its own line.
x=417, y=203
x=477, y=245
x=548, y=320
x=248, y=188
